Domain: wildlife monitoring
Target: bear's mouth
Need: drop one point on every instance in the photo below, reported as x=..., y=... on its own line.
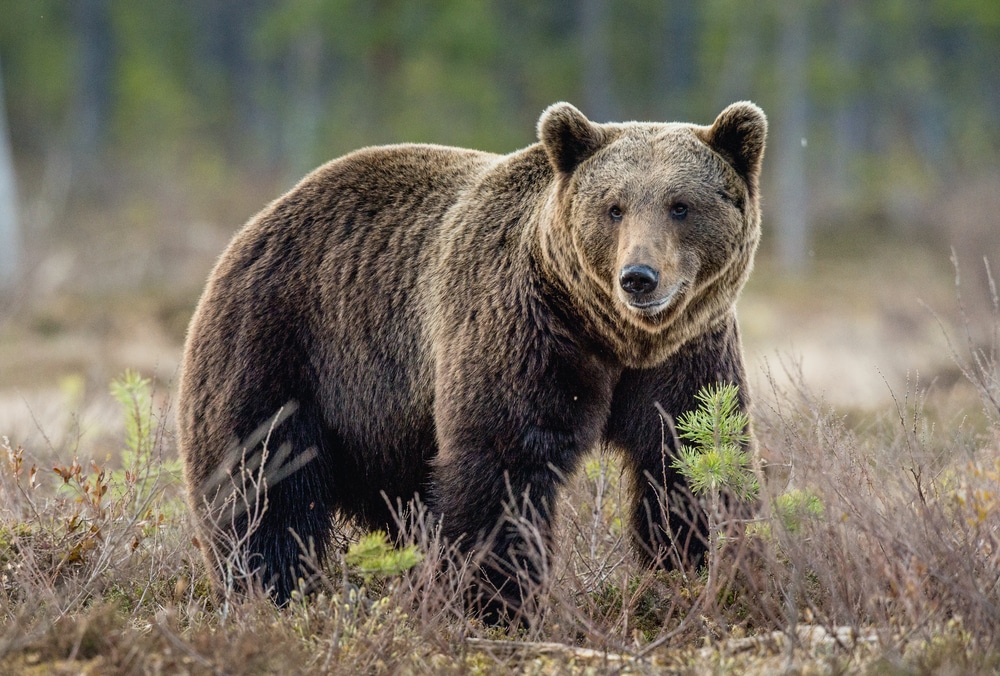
x=652, y=306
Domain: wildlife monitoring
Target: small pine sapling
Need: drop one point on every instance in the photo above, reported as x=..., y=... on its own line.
x=374, y=556
x=144, y=473
x=717, y=459
x=717, y=462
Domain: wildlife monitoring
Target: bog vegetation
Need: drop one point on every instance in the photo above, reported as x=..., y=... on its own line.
x=872, y=548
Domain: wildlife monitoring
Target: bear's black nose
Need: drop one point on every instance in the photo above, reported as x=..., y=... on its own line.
x=638, y=279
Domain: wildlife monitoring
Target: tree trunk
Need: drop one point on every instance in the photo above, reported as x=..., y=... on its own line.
x=306, y=68
x=792, y=207
x=94, y=75
x=743, y=51
x=676, y=76
x=10, y=236
x=595, y=49
x=849, y=117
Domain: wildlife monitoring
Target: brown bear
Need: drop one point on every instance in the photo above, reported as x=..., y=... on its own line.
x=458, y=325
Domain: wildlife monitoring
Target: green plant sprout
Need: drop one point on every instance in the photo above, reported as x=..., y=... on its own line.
x=374, y=556
x=134, y=394
x=140, y=471
x=796, y=507
x=717, y=458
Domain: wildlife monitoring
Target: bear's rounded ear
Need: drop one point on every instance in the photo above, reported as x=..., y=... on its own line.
x=567, y=136
x=739, y=134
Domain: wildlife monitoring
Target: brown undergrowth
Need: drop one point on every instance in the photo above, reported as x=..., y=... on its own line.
x=877, y=550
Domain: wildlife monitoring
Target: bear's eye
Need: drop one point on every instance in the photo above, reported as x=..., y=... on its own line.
x=679, y=211
x=615, y=212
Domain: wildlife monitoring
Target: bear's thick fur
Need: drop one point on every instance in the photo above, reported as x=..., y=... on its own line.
x=464, y=326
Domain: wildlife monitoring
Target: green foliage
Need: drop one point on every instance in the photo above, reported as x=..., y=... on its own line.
x=374, y=556
x=10, y=536
x=141, y=473
x=796, y=507
x=134, y=394
x=132, y=494
x=169, y=80
x=717, y=459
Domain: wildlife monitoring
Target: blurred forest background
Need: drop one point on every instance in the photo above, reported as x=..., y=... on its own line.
x=138, y=136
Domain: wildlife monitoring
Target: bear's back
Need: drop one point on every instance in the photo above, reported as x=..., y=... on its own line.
x=373, y=281
x=320, y=292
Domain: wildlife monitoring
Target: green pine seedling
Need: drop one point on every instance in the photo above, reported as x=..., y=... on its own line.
x=134, y=394
x=374, y=556
x=796, y=507
x=142, y=472
x=717, y=460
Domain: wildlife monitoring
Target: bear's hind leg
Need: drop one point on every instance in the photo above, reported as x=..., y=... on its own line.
x=279, y=522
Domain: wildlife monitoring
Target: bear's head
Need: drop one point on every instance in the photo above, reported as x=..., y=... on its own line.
x=654, y=225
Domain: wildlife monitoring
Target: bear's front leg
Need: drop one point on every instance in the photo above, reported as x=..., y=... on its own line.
x=669, y=525
x=504, y=451
x=502, y=511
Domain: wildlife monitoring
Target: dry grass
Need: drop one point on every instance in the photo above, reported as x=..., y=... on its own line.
x=877, y=551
